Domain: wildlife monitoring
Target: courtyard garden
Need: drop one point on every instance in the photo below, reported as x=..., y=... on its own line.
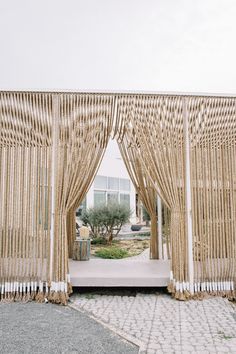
x=107, y=240
x=120, y=248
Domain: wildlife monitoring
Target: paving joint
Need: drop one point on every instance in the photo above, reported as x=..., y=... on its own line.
x=114, y=329
x=156, y=323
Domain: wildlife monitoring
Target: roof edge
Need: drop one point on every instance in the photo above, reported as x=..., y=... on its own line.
x=122, y=92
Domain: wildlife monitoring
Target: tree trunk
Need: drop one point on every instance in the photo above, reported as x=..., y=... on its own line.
x=110, y=237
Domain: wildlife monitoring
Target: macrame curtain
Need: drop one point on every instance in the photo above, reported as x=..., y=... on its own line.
x=51, y=145
x=93, y=161
x=50, y=148
x=85, y=126
x=213, y=175
x=103, y=112
x=143, y=187
x=157, y=124
x=25, y=195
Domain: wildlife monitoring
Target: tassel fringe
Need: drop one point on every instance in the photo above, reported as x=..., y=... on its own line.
x=39, y=294
x=185, y=295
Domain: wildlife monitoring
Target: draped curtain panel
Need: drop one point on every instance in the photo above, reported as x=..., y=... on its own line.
x=160, y=127
x=213, y=175
x=51, y=146
x=143, y=187
x=157, y=126
x=85, y=123
x=96, y=113
x=25, y=174
x=180, y=147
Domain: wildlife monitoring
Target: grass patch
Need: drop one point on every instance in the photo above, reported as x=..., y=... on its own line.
x=143, y=234
x=131, y=247
x=224, y=336
x=99, y=241
x=112, y=253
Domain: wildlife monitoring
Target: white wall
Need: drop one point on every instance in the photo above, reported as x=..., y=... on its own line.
x=113, y=166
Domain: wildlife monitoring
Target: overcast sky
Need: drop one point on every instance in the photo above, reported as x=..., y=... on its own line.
x=143, y=45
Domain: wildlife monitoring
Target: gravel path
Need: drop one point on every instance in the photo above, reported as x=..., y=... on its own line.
x=46, y=328
x=144, y=256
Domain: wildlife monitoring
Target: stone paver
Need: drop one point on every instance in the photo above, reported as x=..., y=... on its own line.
x=143, y=256
x=164, y=325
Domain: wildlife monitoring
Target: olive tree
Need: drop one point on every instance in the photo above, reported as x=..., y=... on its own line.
x=106, y=220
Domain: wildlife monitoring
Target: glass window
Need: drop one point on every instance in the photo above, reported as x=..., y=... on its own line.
x=81, y=208
x=100, y=182
x=112, y=197
x=99, y=198
x=125, y=199
x=124, y=184
x=113, y=183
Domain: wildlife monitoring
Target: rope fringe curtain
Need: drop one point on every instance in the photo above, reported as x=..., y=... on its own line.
x=141, y=181
x=42, y=134
x=143, y=187
x=51, y=146
x=156, y=124
x=85, y=125
x=25, y=196
x=213, y=177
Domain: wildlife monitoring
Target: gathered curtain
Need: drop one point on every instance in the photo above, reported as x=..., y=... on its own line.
x=213, y=175
x=161, y=125
x=95, y=139
x=85, y=122
x=143, y=187
x=51, y=145
x=93, y=161
x=25, y=194
x=157, y=124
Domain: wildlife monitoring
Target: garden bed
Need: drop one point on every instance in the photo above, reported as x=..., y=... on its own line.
x=119, y=249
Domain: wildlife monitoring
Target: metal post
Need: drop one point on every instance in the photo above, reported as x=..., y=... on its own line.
x=55, y=115
x=159, y=221
x=188, y=197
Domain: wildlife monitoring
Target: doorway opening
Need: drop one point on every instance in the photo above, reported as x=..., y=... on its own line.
x=126, y=259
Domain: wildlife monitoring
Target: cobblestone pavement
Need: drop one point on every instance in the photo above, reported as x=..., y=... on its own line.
x=160, y=324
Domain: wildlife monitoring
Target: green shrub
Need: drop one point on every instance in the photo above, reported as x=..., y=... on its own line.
x=99, y=241
x=112, y=253
x=143, y=234
x=106, y=220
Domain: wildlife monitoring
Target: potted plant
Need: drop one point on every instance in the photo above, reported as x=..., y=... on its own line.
x=136, y=227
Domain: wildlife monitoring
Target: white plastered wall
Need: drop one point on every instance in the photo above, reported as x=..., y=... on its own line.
x=113, y=166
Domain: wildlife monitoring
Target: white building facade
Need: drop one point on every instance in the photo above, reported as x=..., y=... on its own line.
x=112, y=182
